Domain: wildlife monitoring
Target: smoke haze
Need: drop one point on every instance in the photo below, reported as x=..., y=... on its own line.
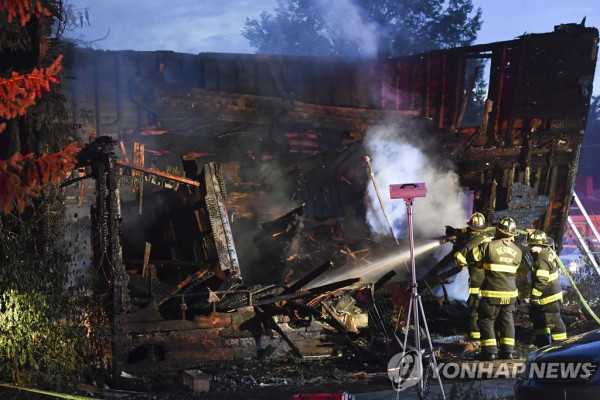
x=347, y=25
x=398, y=158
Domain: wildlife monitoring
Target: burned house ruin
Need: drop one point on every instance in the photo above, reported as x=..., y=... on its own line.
x=223, y=184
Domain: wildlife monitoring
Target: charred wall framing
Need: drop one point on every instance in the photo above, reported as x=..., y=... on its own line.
x=534, y=113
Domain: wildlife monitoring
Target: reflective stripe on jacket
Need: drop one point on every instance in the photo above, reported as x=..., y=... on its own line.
x=544, y=276
x=499, y=259
x=465, y=256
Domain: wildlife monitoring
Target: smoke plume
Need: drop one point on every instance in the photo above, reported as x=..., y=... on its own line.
x=348, y=27
x=398, y=156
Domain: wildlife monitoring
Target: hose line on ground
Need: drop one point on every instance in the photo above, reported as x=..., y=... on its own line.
x=585, y=304
x=46, y=392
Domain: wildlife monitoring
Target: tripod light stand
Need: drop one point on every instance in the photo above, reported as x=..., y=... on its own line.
x=408, y=192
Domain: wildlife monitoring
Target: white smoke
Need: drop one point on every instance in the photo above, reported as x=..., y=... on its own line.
x=345, y=22
x=398, y=158
x=459, y=288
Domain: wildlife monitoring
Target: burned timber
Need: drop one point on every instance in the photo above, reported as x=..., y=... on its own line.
x=224, y=184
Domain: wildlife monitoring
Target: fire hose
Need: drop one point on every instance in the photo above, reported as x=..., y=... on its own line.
x=46, y=392
x=574, y=286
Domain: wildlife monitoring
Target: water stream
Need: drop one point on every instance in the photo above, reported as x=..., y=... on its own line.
x=370, y=272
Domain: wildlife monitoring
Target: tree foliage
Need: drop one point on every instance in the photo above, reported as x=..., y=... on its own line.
x=346, y=28
x=44, y=317
x=19, y=92
x=23, y=10
x=50, y=332
x=42, y=335
x=23, y=177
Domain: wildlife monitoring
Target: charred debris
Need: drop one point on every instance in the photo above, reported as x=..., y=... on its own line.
x=225, y=187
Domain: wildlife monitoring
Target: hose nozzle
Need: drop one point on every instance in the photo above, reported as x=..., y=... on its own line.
x=445, y=239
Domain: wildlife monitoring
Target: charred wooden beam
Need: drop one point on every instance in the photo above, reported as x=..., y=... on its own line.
x=188, y=283
x=260, y=291
x=441, y=278
x=300, y=283
x=277, y=235
x=161, y=174
x=283, y=298
x=383, y=280
x=197, y=281
x=219, y=221
x=239, y=299
x=268, y=318
x=431, y=277
x=175, y=263
x=334, y=286
x=303, y=308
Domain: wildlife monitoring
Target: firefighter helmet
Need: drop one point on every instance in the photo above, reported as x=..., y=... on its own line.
x=477, y=222
x=538, y=238
x=507, y=226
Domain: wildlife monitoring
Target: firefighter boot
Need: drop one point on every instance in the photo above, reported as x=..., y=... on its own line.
x=487, y=356
x=506, y=355
x=506, y=350
x=542, y=337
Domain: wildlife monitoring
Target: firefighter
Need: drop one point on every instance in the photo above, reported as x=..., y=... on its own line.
x=460, y=236
x=546, y=291
x=464, y=258
x=499, y=259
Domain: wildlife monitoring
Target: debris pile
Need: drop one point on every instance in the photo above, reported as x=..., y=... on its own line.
x=243, y=234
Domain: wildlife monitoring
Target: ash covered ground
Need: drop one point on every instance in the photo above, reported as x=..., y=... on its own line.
x=276, y=379
x=281, y=379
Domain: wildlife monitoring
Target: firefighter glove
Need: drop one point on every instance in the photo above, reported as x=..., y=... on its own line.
x=450, y=231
